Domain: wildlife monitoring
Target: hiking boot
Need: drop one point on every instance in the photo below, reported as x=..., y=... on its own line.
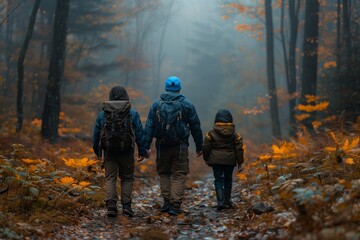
x=127, y=210
x=111, y=206
x=175, y=210
x=220, y=207
x=112, y=211
x=166, y=207
x=228, y=205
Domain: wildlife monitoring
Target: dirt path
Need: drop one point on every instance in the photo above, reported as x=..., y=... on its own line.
x=200, y=219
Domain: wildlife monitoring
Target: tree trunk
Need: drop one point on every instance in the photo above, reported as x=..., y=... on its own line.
x=20, y=65
x=294, y=22
x=8, y=51
x=310, y=54
x=349, y=86
x=274, y=112
x=338, y=58
x=50, y=118
x=160, y=56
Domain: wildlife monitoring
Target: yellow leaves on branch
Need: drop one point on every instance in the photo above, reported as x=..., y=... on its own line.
x=316, y=124
x=285, y=150
x=330, y=64
x=78, y=163
x=345, y=145
x=241, y=8
x=349, y=161
x=33, y=161
x=70, y=181
x=312, y=105
x=84, y=184
x=311, y=98
x=300, y=117
x=65, y=181
x=243, y=27
x=313, y=108
x=264, y=157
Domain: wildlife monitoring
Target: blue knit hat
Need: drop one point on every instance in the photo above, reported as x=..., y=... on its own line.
x=173, y=84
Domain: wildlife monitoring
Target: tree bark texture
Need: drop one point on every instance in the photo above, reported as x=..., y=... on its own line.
x=274, y=112
x=294, y=7
x=8, y=50
x=310, y=54
x=52, y=106
x=20, y=66
x=160, y=55
x=349, y=86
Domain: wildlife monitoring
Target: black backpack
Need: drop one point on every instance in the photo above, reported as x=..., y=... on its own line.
x=170, y=128
x=117, y=133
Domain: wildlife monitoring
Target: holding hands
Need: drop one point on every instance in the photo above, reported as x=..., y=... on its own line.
x=148, y=153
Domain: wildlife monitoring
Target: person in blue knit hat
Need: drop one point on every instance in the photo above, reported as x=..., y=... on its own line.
x=171, y=120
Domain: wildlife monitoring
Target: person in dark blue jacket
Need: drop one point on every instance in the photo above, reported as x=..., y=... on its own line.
x=171, y=119
x=119, y=164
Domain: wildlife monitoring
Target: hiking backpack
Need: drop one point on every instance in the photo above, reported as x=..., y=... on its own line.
x=117, y=133
x=170, y=128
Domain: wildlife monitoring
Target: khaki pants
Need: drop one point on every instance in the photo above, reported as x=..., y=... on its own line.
x=121, y=165
x=172, y=166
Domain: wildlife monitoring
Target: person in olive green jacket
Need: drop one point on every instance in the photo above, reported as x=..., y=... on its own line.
x=223, y=150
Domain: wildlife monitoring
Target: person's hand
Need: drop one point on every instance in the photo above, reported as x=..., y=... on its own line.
x=199, y=153
x=148, y=153
x=140, y=158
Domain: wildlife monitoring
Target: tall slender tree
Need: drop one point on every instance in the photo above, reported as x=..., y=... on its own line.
x=294, y=7
x=50, y=118
x=8, y=40
x=20, y=65
x=274, y=112
x=348, y=81
x=310, y=54
x=160, y=55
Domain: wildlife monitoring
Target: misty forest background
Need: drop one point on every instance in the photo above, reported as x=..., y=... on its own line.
x=288, y=70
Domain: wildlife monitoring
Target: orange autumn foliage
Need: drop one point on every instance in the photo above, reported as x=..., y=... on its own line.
x=79, y=163
x=65, y=181
x=313, y=108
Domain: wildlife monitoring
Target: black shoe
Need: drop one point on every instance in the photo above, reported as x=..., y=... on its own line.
x=166, y=207
x=112, y=212
x=128, y=211
x=228, y=205
x=175, y=210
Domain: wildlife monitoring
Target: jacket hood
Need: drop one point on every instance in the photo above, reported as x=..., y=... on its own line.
x=171, y=96
x=224, y=116
x=224, y=129
x=118, y=93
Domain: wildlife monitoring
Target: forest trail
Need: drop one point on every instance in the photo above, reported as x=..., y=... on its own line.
x=200, y=219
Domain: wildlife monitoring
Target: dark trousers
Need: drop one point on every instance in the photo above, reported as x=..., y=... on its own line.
x=119, y=165
x=172, y=166
x=223, y=182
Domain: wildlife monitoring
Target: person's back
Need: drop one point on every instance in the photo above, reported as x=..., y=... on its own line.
x=171, y=120
x=114, y=132
x=223, y=150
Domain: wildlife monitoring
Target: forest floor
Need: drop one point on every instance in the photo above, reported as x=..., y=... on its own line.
x=304, y=188
x=200, y=218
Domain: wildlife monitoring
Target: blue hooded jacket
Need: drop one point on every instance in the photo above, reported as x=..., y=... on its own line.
x=189, y=115
x=119, y=93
